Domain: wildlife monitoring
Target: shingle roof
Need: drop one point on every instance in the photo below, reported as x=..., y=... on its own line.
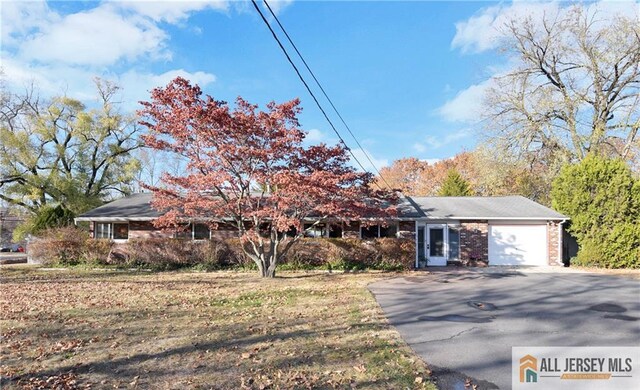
x=138, y=207
x=484, y=207
x=133, y=207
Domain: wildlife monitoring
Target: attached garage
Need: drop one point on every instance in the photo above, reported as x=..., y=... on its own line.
x=479, y=231
x=511, y=244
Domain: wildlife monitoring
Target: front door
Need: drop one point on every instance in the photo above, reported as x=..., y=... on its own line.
x=436, y=245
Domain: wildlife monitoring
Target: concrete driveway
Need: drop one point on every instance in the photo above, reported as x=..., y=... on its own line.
x=464, y=322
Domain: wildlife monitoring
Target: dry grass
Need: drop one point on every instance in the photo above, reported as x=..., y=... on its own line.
x=624, y=272
x=93, y=329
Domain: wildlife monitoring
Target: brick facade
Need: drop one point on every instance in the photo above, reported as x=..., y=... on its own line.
x=145, y=229
x=554, y=243
x=224, y=232
x=474, y=241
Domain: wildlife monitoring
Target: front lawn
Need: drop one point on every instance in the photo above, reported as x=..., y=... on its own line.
x=227, y=330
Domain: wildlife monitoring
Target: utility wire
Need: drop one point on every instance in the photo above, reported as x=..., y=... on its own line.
x=264, y=19
x=325, y=93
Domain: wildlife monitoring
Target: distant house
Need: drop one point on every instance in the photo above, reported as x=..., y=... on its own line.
x=9, y=221
x=505, y=230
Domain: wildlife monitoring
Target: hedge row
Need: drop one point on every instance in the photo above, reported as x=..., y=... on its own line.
x=71, y=246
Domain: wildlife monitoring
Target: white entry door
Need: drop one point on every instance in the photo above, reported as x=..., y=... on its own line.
x=436, y=245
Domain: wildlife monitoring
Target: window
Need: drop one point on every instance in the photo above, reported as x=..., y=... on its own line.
x=193, y=231
x=335, y=231
x=313, y=231
x=111, y=231
x=421, y=254
x=389, y=231
x=201, y=232
x=378, y=231
x=454, y=243
x=102, y=230
x=368, y=232
x=184, y=232
x=120, y=231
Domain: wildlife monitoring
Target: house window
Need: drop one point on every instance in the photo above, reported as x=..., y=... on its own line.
x=311, y=230
x=335, y=231
x=454, y=243
x=389, y=231
x=111, y=231
x=201, y=231
x=102, y=230
x=184, y=232
x=120, y=231
x=378, y=231
x=368, y=232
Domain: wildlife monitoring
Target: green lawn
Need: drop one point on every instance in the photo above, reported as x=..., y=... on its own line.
x=224, y=330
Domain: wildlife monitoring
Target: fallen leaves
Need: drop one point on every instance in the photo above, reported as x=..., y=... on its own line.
x=72, y=329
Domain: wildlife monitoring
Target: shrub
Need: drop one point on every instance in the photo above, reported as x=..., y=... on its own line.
x=602, y=198
x=96, y=251
x=615, y=248
x=350, y=254
x=69, y=246
x=59, y=246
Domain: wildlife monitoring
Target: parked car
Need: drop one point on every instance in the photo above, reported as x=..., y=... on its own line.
x=12, y=248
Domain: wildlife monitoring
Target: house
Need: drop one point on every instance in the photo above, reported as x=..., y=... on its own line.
x=503, y=230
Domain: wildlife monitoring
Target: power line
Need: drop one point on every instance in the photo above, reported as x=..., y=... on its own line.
x=324, y=92
x=264, y=19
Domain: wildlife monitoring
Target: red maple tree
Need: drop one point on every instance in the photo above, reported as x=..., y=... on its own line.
x=249, y=169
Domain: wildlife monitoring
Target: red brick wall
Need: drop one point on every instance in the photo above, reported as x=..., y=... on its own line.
x=554, y=242
x=224, y=232
x=474, y=239
x=145, y=229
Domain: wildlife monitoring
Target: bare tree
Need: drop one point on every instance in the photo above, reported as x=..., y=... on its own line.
x=574, y=89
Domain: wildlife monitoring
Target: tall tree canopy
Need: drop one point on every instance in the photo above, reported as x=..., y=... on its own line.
x=59, y=152
x=248, y=168
x=574, y=89
x=416, y=177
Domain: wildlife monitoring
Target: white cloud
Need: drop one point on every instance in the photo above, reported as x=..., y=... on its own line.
x=437, y=142
x=419, y=147
x=360, y=155
x=20, y=18
x=62, y=54
x=172, y=11
x=481, y=31
x=279, y=5
x=465, y=107
x=77, y=82
x=315, y=136
x=98, y=37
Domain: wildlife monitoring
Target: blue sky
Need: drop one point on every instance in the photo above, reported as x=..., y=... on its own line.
x=406, y=76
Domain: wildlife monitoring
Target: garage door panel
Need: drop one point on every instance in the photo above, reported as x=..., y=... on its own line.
x=517, y=245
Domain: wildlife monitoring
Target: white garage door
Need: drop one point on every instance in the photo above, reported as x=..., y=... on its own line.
x=518, y=245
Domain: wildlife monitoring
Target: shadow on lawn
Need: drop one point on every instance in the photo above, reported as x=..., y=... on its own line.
x=152, y=366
